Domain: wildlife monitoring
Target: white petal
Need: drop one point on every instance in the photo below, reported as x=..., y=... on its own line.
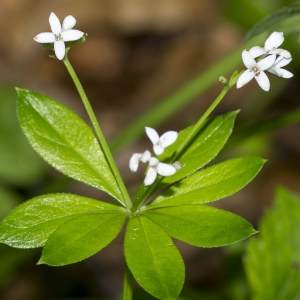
x=72, y=35
x=282, y=62
x=158, y=150
x=45, y=37
x=153, y=162
x=281, y=52
x=274, y=40
x=59, y=48
x=68, y=23
x=266, y=62
x=248, y=60
x=257, y=51
x=145, y=157
x=244, y=78
x=286, y=74
x=150, y=176
x=263, y=80
x=165, y=169
x=168, y=138
x=54, y=23
x=134, y=162
x=152, y=135
x=275, y=71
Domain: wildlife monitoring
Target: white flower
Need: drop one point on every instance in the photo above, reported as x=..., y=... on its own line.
x=256, y=70
x=271, y=46
x=60, y=34
x=160, y=143
x=276, y=68
x=156, y=167
x=136, y=158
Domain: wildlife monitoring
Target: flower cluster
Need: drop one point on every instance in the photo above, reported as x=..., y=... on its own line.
x=60, y=34
x=270, y=58
x=155, y=166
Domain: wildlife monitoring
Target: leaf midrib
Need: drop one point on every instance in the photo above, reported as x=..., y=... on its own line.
x=100, y=211
x=151, y=255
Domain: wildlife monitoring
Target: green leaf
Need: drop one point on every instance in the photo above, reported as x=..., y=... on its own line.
x=30, y=224
x=201, y=225
x=204, y=147
x=212, y=183
x=275, y=252
x=19, y=164
x=153, y=259
x=65, y=141
x=82, y=237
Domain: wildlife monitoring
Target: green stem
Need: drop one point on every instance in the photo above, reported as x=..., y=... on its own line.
x=127, y=286
x=200, y=122
x=99, y=133
x=144, y=193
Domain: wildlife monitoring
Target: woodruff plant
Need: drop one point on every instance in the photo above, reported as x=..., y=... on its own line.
x=71, y=228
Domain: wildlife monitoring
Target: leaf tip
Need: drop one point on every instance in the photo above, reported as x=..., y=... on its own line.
x=41, y=262
x=18, y=90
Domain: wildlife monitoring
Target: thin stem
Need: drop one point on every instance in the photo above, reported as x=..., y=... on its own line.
x=144, y=192
x=127, y=286
x=99, y=134
x=200, y=122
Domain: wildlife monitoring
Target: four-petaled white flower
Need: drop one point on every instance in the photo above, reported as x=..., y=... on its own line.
x=276, y=68
x=136, y=158
x=160, y=143
x=157, y=167
x=271, y=46
x=60, y=34
x=256, y=70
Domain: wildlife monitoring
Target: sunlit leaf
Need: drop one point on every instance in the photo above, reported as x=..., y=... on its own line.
x=82, y=237
x=211, y=184
x=153, y=259
x=30, y=224
x=201, y=225
x=272, y=261
x=65, y=141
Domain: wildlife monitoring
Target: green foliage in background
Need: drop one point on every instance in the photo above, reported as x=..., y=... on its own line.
x=19, y=164
x=272, y=261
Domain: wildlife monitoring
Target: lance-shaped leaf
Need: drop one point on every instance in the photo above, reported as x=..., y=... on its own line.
x=286, y=19
x=153, y=259
x=202, y=149
x=30, y=224
x=65, y=141
x=275, y=252
x=201, y=225
x=82, y=237
x=211, y=184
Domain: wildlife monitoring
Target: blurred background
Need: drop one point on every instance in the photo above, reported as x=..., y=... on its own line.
x=137, y=53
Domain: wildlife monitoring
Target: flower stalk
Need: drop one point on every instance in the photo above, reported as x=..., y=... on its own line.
x=101, y=138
